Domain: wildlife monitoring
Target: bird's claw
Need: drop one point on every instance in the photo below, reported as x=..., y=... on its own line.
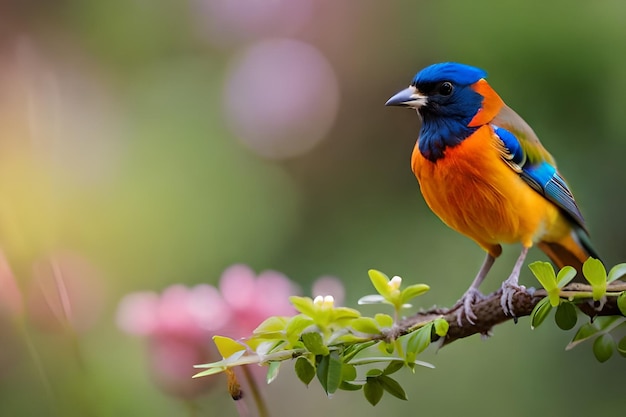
x=509, y=289
x=464, y=306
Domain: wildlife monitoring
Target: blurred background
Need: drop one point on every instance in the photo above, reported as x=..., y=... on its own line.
x=146, y=144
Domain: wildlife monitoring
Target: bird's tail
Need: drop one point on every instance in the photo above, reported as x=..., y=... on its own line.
x=573, y=250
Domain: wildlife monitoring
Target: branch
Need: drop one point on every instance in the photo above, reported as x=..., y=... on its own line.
x=325, y=340
x=489, y=311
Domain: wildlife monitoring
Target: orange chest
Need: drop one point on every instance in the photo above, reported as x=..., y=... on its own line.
x=476, y=193
x=474, y=162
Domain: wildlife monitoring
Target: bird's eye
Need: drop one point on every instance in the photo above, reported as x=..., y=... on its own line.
x=445, y=88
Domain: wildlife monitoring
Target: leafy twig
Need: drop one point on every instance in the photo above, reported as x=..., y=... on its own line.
x=489, y=311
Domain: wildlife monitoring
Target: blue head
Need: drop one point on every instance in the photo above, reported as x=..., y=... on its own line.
x=443, y=96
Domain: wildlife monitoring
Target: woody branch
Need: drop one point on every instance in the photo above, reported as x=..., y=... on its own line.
x=489, y=311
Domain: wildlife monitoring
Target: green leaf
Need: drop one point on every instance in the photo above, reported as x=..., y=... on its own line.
x=413, y=291
x=419, y=340
x=540, y=312
x=595, y=273
x=275, y=339
x=304, y=370
x=621, y=347
x=374, y=372
x=232, y=360
x=380, y=281
x=352, y=351
x=348, y=372
x=392, y=387
x=618, y=271
x=314, y=343
x=373, y=390
x=304, y=305
x=621, y=302
x=607, y=322
x=271, y=325
x=441, y=327
x=227, y=346
x=394, y=366
x=272, y=371
x=544, y=272
x=322, y=371
x=365, y=325
x=386, y=347
x=603, y=347
x=347, y=386
x=383, y=320
x=210, y=371
x=565, y=316
x=348, y=339
x=335, y=370
x=565, y=275
x=375, y=359
x=329, y=372
x=266, y=347
x=296, y=325
x=345, y=313
x=585, y=332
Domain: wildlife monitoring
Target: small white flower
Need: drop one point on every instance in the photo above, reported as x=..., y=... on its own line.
x=327, y=301
x=395, y=283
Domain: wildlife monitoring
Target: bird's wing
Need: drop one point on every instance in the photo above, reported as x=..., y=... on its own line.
x=513, y=122
x=523, y=152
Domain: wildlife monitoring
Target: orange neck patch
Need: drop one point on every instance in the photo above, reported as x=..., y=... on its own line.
x=492, y=103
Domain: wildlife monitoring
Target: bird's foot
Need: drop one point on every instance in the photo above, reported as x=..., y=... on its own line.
x=463, y=307
x=509, y=288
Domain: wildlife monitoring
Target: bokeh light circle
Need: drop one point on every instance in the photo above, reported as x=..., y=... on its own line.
x=281, y=98
x=228, y=22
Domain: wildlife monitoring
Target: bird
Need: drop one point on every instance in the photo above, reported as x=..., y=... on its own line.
x=483, y=171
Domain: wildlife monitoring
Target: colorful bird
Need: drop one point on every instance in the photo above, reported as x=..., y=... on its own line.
x=483, y=171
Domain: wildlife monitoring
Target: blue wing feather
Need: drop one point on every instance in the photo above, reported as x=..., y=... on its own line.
x=542, y=176
x=514, y=151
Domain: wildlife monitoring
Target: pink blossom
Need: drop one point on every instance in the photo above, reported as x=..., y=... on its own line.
x=252, y=298
x=179, y=322
x=195, y=312
x=178, y=325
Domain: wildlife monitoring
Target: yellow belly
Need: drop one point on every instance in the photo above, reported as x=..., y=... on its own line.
x=476, y=193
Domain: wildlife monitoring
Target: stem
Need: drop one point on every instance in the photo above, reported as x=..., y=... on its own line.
x=399, y=349
x=423, y=323
x=261, y=406
x=572, y=295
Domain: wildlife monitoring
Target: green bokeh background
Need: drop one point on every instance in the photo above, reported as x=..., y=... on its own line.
x=185, y=200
